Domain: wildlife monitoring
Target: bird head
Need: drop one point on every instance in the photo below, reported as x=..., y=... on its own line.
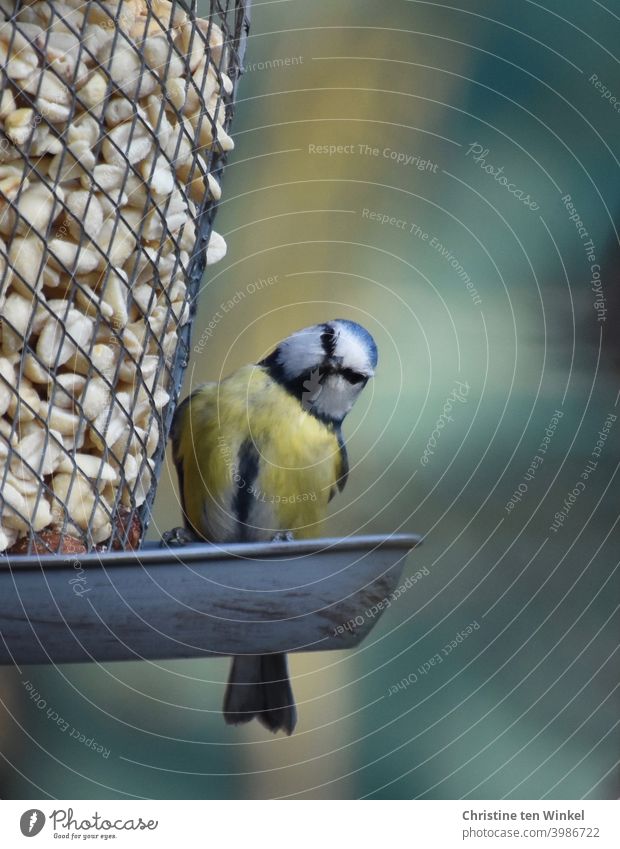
x=325, y=366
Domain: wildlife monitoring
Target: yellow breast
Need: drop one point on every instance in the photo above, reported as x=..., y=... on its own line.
x=253, y=461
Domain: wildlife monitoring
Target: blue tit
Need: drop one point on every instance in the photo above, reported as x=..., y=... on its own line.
x=259, y=456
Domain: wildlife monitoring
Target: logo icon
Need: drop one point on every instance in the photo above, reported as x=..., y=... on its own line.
x=32, y=822
x=313, y=388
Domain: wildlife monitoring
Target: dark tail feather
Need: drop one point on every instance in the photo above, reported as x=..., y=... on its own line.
x=280, y=710
x=259, y=686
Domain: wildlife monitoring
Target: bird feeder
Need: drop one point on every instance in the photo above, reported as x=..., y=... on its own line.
x=114, y=122
x=199, y=601
x=114, y=132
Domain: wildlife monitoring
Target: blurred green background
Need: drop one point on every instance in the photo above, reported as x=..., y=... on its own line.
x=388, y=230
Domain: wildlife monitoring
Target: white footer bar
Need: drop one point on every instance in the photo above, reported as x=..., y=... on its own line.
x=237, y=824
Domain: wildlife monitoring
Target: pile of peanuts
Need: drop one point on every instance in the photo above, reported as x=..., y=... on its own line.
x=111, y=117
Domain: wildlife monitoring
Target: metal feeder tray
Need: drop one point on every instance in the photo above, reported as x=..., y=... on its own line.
x=199, y=600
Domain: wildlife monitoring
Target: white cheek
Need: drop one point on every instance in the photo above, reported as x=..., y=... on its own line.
x=336, y=397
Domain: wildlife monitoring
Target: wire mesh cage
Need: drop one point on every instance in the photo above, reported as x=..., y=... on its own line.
x=114, y=121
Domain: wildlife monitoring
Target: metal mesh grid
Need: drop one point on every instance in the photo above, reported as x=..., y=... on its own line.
x=113, y=134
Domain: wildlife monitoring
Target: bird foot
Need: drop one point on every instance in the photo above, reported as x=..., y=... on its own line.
x=177, y=537
x=283, y=536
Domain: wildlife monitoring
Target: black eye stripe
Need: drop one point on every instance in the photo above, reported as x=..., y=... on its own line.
x=352, y=376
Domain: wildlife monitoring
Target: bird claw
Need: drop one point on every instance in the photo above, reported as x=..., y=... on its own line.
x=177, y=537
x=283, y=536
